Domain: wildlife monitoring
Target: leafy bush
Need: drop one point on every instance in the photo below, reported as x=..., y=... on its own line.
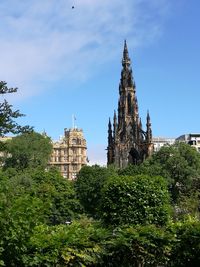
x=139, y=199
x=89, y=184
x=186, y=248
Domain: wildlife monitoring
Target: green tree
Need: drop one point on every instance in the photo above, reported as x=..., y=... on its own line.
x=19, y=215
x=89, y=184
x=186, y=247
x=139, y=246
x=60, y=203
x=52, y=188
x=188, y=204
x=180, y=165
x=29, y=198
x=77, y=244
x=8, y=117
x=138, y=199
x=28, y=150
x=20, y=212
x=148, y=167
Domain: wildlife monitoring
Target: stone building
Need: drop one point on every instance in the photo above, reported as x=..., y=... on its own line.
x=128, y=143
x=69, y=153
x=192, y=139
x=159, y=142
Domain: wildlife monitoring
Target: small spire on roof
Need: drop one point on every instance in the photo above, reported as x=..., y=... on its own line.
x=126, y=60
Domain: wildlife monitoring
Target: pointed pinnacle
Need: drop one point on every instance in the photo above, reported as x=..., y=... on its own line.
x=126, y=60
x=125, y=52
x=115, y=114
x=148, y=116
x=109, y=124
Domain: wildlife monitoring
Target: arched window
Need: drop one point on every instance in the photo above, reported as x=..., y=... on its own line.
x=133, y=157
x=74, y=141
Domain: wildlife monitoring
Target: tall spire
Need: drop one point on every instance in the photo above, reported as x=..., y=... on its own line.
x=149, y=131
x=148, y=119
x=110, y=152
x=114, y=125
x=127, y=105
x=125, y=60
x=110, y=138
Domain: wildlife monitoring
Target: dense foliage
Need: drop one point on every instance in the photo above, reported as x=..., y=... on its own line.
x=28, y=150
x=137, y=199
x=139, y=246
x=89, y=184
x=27, y=200
x=186, y=245
x=181, y=164
x=78, y=244
x=42, y=223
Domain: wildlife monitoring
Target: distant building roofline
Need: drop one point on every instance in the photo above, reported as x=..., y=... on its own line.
x=73, y=129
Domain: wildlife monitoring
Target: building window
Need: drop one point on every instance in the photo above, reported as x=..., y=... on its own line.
x=73, y=150
x=74, y=167
x=192, y=142
x=65, y=175
x=78, y=141
x=74, y=141
x=74, y=175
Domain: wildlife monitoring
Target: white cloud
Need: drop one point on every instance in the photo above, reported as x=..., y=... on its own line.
x=46, y=40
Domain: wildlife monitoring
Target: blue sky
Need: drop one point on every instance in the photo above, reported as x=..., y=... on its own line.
x=67, y=61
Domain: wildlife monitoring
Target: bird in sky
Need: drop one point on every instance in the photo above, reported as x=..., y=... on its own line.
x=72, y=7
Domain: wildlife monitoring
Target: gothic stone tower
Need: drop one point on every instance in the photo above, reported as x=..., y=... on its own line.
x=128, y=143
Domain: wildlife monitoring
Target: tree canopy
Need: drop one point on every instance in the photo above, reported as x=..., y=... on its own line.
x=180, y=165
x=139, y=199
x=8, y=116
x=89, y=184
x=28, y=150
